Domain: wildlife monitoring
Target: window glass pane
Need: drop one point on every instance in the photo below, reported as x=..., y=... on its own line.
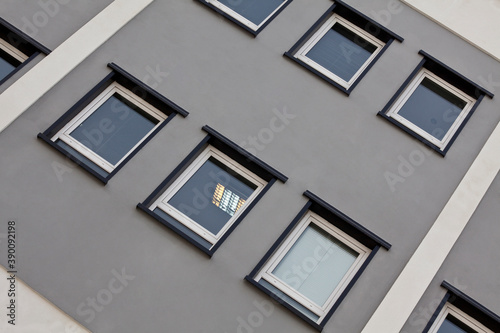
x=432, y=108
x=114, y=129
x=256, y=11
x=315, y=264
x=453, y=325
x=341, y=51
x=7, y=65
x=212, y=195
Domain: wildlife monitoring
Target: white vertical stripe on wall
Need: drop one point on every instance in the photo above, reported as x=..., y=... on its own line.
x=402, y=298
x=35, y=83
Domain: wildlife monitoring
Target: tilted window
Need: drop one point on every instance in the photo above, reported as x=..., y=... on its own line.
x=211, y=191
x=110, y=124
x=253, y=15
x=342, y=46
x=434, y=104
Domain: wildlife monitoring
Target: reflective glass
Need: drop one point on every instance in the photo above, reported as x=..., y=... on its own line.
x=256, y=11
x=432, y=108
x=212, y=195
x=114, y=129
x=341, y=51
x=6, y=67
x=315, y=264
x=453, y=325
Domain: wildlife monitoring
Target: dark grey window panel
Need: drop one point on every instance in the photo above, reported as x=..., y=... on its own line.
x=234, y=190
x=122, y=124
x=341, y=51
x=468, y=305
x=432, y=108
x=259, y=12
x=20, y=41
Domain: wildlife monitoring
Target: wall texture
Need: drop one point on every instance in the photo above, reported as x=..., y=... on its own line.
x=76, y=235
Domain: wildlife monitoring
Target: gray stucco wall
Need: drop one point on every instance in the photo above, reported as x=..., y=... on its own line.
x=73, y=231
x=472, y=266
x=50, y=22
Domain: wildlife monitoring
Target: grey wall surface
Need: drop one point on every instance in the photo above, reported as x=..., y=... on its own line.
x=73, y=231
x=50, y=22
x=472, y=266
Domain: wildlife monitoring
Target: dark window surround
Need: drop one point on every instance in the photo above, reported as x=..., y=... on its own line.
x=339, y=220
x=236, y=153
x=22, y=42
x=360, y=20
x=248, y=29
x=468, y=305
x=452, y=77
x=130, y=82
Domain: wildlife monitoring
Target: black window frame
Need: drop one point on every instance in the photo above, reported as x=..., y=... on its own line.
x=468, y=305
x=143, y=91
x=242, y=25
x=340, y=221
x=453, y=78
x=356, y=18
x=21, y=41
x=236, y=153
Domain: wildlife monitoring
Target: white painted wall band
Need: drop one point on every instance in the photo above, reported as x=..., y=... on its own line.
x=407, y=290
x=41, y=78
x=33, y=313
x=474, y=21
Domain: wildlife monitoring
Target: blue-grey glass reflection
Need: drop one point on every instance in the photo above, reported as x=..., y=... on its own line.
x=212, y=195
x=256, y=11
x=453, y=325
x=341, y=51
x=7, y=65
x=114, y=129
x=432, y=108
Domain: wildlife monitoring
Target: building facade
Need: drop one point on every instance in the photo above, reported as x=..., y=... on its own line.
x=249, y=166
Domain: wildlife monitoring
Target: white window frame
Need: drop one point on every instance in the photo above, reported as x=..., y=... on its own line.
x=452, y=310
x=241, y=18
x=114, y=88
x=12, y=51
x=408, y=92
x=336, y=19
x=162, y=201
x=313, y=218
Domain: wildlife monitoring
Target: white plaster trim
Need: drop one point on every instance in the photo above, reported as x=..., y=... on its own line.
x=41, y=78
x=418, y=273
x=34, y=313
x=474, y=21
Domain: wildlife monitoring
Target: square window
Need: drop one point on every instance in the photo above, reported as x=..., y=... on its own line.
x=110, y=127
x=342, y=46
x=211, y=191
x=432, y=108
x=453, y=320
x=253, y=15
x=111, y=123
x=314, y=265
x=434, y=104
x=10, y=59
x=16, y=50
x=316, y=261
x=340, y=50
x=459, y=313
x=210, y=195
